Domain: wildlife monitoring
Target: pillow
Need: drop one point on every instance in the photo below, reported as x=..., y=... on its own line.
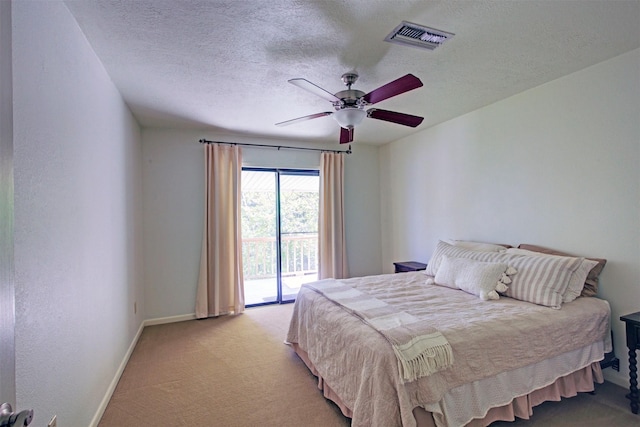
x=484, y=279
x=445, y=248
x=540, y=280
x=591, y=283
x=477, y=246
x=577, y=279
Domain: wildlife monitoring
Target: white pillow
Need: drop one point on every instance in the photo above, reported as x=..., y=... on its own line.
x=476, y=246
x=483, y=279
x=577, y=279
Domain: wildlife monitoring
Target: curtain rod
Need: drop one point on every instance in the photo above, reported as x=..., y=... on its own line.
x=205, y=141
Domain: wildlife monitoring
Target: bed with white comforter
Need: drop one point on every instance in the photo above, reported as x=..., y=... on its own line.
x=501, y=349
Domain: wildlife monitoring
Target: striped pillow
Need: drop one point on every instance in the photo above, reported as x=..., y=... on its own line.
x=540, y=280
x=578, y=278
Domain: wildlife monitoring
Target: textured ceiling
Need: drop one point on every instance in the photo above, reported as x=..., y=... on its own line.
x=224, y=65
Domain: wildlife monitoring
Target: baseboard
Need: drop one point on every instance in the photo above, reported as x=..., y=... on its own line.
x=112, y=386
x=171, y=319
x=116, y=378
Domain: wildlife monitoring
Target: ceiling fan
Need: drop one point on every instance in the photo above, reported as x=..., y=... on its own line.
x=350, y=104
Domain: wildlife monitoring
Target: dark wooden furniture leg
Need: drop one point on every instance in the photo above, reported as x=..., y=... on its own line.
x=632, y=322
x=633, y=381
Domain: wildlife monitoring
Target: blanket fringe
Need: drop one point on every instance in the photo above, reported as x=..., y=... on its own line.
x=429, y=361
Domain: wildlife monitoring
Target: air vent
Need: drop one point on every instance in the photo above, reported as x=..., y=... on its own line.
x=418, y=36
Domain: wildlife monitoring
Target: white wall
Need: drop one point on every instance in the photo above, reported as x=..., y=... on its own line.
x=78, y=213
x=173, y=181
x=557, y=166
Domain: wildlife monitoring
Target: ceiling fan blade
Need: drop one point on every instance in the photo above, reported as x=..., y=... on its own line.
x=394, y=117
x=346, y=135
x=396, y=87
x=304, y=118
x=315, y=89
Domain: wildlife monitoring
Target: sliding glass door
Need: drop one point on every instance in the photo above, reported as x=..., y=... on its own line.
x=299, y=207
x=279, y=233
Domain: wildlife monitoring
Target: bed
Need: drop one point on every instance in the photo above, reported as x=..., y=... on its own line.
x=503, y=356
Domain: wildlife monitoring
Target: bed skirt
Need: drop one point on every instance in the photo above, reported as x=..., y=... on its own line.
x=569, y=385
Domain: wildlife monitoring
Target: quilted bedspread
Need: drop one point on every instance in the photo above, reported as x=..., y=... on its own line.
x=487, y=338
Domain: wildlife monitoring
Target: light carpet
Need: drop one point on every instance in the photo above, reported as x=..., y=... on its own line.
x=236, y=371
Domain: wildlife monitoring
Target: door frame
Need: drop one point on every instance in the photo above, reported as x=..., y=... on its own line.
x=277, y=172
x=7, y=275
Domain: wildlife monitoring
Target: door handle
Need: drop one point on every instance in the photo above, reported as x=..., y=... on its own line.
x=8, y=418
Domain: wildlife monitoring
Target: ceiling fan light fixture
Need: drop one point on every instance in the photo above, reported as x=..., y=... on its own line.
x=349, y=117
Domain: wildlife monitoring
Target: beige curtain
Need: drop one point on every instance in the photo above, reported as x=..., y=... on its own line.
x=220, y=285
x=332, y=250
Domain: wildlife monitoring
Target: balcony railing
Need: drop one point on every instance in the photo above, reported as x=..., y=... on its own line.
x=299, y=256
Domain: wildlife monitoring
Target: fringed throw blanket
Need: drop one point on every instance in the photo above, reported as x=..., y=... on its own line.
x=421, y=350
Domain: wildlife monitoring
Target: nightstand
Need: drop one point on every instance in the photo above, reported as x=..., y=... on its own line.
x=632, y=322
x=404, y=266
